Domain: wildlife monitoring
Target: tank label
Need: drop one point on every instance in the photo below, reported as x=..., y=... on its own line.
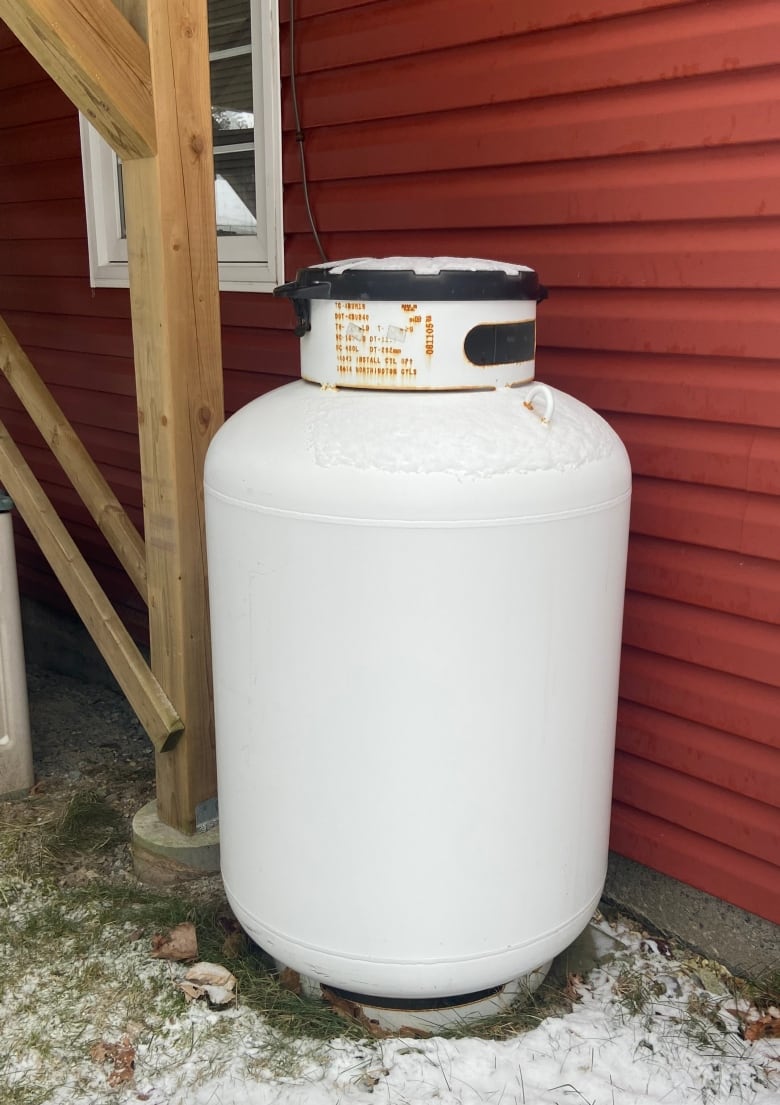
x=375, y=351
x=378, y=344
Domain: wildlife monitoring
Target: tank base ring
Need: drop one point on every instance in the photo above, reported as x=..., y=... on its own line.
x=419, y=1014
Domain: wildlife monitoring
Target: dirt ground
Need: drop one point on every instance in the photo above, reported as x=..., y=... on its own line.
x=81, y=732
x=86, y=739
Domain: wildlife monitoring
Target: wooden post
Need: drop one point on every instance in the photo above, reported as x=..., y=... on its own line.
x=174, y=289
x=98, y=57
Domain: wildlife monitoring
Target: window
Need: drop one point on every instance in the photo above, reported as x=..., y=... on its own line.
x=246, y=127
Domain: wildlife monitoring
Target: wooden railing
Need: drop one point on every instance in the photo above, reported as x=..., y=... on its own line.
x=130, y=670
x=139, y=71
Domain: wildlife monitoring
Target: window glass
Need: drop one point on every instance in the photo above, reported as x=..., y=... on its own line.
x=233, y=120
x=230, y=24
x=246, y=133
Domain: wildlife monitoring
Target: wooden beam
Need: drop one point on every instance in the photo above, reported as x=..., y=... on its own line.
x=99, y=61
x=174, y=291
x=154, y=710
x=135, y=12
x=78, y=465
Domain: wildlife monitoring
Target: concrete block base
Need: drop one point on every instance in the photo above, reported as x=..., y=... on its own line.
x=743, y=942
x=162, y=855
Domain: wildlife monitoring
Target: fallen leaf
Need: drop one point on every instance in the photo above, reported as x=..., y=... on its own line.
x=121, y=1055
x=211, y=981
x=767, y=1027
x=190, y=990
x=211, y=974
x=572, y=988
x=234, y=944
x=180, y=944
x=352, y=1011
x=234, y=939
x=215, y=995
x=290, y=980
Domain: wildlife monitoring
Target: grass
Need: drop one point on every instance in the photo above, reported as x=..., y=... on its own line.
x=88, y=823
x=16, y=1092
x=636, y=991
x=52, y=833
x=75, y=935
x=551, y=999
x=761, y=989
x=75, y=941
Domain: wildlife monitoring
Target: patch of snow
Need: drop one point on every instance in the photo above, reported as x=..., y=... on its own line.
x=600, y=1053
x=493, y=434
x=425, y=266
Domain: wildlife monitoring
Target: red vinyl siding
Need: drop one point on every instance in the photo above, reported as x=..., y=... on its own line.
x=630, y=151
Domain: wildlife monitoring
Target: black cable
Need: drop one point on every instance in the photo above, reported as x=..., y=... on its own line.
x=299, y=135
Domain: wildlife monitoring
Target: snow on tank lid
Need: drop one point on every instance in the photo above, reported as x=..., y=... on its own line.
x=402, y=279
x=424, y=266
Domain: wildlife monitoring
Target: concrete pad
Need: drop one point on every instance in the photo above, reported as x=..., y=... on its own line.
x=744, y=942
x=162, y=855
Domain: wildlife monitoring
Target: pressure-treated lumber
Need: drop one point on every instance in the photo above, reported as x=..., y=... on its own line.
x=174, y=291
x=154, y=710
x=99, y=61
x=67, y=447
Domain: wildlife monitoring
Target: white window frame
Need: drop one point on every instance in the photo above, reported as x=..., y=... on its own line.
x=247, y=263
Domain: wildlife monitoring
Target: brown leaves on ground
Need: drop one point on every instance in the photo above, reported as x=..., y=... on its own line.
x=352, y=1011
x=766, y=1027
x=572, y=988
x=211, y=981
x=290, y=980
x=234, y=940
x=180, y=944
x=121, y=1055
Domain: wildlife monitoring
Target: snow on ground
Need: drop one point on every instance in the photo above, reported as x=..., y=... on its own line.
x=646, y=1029
x=600, y=1054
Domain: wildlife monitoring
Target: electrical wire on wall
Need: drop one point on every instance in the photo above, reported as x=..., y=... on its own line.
x=299, y=136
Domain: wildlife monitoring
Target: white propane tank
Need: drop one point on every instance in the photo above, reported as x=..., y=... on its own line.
x=416, y=604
